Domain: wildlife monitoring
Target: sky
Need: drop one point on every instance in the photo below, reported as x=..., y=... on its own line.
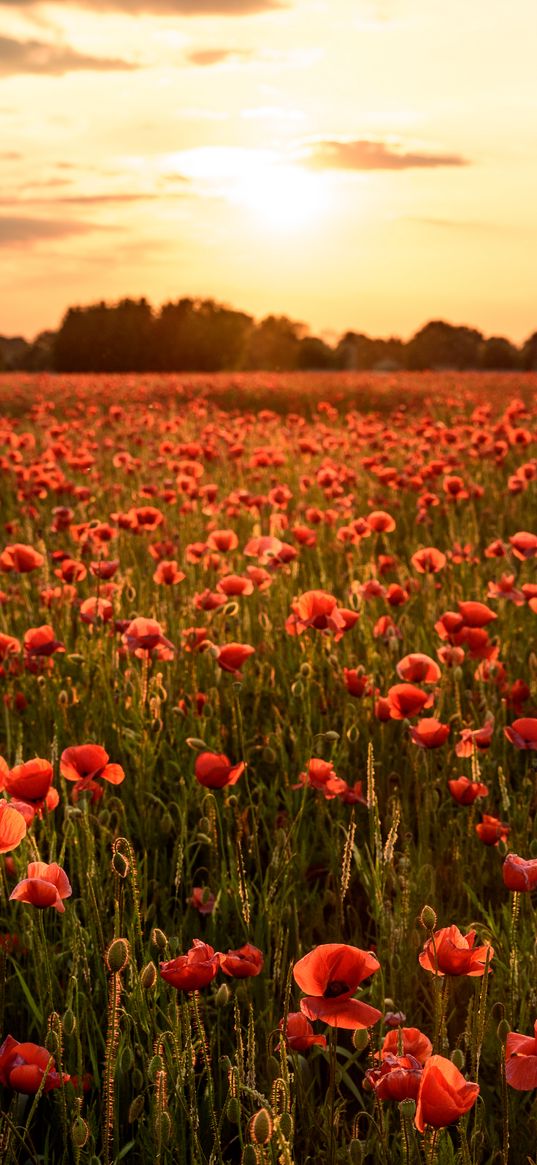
x=352, y=164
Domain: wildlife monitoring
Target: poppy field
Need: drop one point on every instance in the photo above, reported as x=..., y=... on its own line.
x=268, y=797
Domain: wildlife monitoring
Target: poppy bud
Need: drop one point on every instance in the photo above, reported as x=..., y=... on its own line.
x=233, y=1110
x=120, y=864
x=196, y=744
x=51, y=1042
x=407, y=1108
x=148, y=976
x=223, y=995
x=360, y=1039
x=136, y=1109
x=137, y=1080
x=69, y=1022
x=158, y=938
x=273, y=1068
x=331, y=735
x=79, y=1132
x=204, y=825
x=457, y=1058
x=156, y=1064
x=166, y=824
x=356, y=1154
x=269, y=756
x=117, y=955
x=286, y=1125
x=353, y=732
x=249, y=1156
x=163, y=1127
x=428, y=918
x=261, y=1127
x=503, y=1030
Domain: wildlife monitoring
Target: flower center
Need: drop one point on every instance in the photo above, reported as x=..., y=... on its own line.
x=336, y=987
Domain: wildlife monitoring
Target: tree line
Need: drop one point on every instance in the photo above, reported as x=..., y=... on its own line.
x=201, y=335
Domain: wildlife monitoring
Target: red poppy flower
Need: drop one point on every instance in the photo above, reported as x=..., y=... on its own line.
x=23, y=1066
x=429, y=560
x=405, y=700
x=202, y=899
x=299, y=1035
x=465, y=792
x=235, y=584
x=396, y=595
x=244, y=963
x=41, y=641
x=8, y=645
x=214, y=771
x=195, y=969
x=316, y=609
x=357, y=682
x=381, y=522
x=193, y=638
x=144, y=635
x=524, y=544
x=320, y=775
x=520, y=873
x=232, y=656
x=30, y=781
x=84, y=763
x=430, y=733
x=105, y=568
x=444, y=1095
x=168, y=573
x=449, y=625
x=223, y=540
x=523, y=733
x=417, y=668
x=476, y=614
x=490, y=830
x=329, y=975
x=71, y=571
x=95, y=610
x=411, y=1039
x=45, y=885
x=521, y=1060
x=455, y=953
x=20, y=558
x=397, y=1078
x=12, y=827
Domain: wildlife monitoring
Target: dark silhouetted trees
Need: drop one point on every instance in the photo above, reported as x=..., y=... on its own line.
x=201, y=335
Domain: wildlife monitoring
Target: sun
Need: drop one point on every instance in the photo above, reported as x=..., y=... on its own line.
x=283, y=197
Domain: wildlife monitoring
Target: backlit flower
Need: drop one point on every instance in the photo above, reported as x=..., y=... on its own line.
x=330, y=975
x=448, y=952
x=444, y=1095
x=45, y=885
x=191, y=971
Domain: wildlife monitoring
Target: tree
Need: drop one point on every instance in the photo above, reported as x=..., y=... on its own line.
x=441, y=345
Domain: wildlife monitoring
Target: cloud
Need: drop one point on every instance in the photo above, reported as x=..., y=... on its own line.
x=35, y=56
x=16, y=231
x=216, y=56
x=166, y=7
x=94, y=199
x=373, y=155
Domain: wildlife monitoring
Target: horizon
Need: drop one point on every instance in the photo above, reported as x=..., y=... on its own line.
x=329, y=336
x=333, y=163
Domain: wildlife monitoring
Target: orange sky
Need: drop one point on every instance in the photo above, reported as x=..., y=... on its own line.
x=355, y=163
